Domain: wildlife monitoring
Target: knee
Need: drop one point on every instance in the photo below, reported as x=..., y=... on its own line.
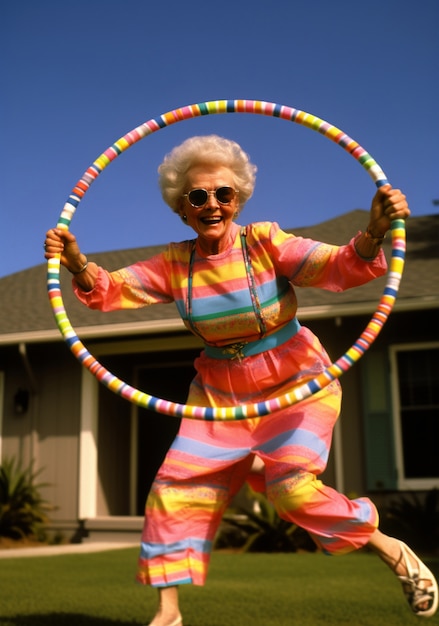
x=293, y=492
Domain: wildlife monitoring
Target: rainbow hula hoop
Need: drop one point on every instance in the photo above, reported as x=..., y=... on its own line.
x=333, y=371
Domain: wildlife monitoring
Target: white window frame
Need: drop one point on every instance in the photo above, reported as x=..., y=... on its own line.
x=403, y=483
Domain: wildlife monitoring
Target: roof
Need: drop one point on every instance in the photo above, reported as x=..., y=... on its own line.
x=26, y=315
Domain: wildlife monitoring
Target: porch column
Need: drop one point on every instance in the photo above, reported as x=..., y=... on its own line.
x=88, y=451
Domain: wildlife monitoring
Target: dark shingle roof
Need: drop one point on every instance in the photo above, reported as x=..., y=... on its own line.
x=25, y=307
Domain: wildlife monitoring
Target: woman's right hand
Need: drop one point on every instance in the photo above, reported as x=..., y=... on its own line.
x=63, y=242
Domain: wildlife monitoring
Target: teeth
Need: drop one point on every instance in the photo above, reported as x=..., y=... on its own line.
x=211, y=220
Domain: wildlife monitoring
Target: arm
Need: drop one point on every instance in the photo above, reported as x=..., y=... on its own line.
x=138, y=285
x=309, y=263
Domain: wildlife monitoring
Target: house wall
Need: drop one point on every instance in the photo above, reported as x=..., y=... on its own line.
x=48, y=432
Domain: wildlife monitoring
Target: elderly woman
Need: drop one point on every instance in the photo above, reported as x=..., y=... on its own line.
x=234, y=287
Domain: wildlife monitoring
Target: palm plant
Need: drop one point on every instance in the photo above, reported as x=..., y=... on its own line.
x=23, y=511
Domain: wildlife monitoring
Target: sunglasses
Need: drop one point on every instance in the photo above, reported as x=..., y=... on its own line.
x=199, y=197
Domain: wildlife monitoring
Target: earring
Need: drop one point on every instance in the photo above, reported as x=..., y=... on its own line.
x=184, y=218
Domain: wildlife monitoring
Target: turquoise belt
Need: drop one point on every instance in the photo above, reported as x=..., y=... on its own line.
x=243, y=349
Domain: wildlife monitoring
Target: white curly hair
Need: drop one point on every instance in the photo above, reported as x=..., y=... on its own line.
x=205, y=150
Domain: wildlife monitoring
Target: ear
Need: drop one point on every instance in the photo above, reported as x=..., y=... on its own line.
x=181, y=213
x=181, y=201
x=180, y=209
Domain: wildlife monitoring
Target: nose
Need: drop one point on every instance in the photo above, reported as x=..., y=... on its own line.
x=211, y=200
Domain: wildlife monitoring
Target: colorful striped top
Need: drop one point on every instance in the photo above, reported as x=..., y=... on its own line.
x=226, y=298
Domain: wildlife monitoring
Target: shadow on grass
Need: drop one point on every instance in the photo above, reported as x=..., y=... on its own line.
x=63, y=619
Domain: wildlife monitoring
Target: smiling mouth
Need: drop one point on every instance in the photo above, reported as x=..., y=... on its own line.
x=211, y=220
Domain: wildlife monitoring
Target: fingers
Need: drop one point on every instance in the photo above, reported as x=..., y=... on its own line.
x=395, y=205
x=56, y=242
x=392, y=203
x=58, y=234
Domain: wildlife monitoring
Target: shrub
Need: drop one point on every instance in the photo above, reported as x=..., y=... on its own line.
x=414, y=519
x=23, y=512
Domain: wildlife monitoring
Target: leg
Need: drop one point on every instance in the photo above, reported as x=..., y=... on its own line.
x=168, y=612
x=419, y=584
x=337, y=524
x=182, y=515
x=303, y=433
x=180, y=522
x=183, y=510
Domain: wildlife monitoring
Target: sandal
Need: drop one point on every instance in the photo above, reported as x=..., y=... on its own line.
x=416, y=594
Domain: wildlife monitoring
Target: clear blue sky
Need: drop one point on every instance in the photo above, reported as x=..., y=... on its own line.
x=77, y=75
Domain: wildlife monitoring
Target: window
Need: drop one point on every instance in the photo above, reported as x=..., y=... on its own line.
x=415, y=392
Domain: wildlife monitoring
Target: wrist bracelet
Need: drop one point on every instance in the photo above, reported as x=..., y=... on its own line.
x=83, y=268
x=376, y=240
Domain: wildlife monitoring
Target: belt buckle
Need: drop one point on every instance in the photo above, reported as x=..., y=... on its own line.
x=235, y=350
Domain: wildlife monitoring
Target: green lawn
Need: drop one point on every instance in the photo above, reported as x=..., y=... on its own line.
x=242, y=590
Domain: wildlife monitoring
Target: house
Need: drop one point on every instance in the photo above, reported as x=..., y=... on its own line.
x=99, y=452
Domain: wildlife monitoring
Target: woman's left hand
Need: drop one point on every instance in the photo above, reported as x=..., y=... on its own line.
x=388, y=204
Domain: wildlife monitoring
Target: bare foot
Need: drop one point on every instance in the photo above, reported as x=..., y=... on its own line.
x=168, y=613
x=163, y=620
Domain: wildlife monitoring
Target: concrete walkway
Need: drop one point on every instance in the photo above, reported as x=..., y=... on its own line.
x=72, y=548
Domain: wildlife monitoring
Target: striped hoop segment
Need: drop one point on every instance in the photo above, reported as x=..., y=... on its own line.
x=332, y=372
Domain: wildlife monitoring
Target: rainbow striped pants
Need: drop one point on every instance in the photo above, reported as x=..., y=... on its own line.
x=210, y=461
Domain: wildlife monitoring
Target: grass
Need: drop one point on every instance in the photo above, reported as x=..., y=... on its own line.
x=242, y=590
